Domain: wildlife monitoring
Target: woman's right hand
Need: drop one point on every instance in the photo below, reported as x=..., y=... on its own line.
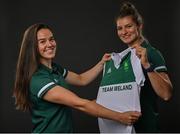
x=106, y=57
x=129, y=117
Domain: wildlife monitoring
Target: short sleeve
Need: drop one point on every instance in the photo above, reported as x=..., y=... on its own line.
x=39, y=85
x=157, y=60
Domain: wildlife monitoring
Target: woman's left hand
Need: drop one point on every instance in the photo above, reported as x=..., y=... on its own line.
x=142, y=54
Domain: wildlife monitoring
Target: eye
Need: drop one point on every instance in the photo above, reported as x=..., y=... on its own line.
x=52, y=39
x=42, y=42
x=129, y=26
x=119, y=28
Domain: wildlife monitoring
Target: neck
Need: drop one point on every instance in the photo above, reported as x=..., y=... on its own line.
x=47, y=63
x=137, y=42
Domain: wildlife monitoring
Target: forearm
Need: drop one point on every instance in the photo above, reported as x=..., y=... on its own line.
x=88, y=76
x=63, y=96
x=161, y=84
x=91, y=74
x=94, y=109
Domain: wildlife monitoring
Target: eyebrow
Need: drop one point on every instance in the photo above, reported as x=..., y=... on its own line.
x=45, y=38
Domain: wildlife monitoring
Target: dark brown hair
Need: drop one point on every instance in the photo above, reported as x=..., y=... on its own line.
x=128, y=9
x=27, y=64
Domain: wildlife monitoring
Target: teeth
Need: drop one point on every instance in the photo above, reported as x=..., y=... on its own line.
x=49, y=50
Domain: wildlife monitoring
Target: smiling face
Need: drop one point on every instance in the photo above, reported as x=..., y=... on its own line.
x=128, y=31
x=46, y=45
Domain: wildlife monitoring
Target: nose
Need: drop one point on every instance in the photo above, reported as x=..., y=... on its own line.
x=123, y=31
x=49, y=43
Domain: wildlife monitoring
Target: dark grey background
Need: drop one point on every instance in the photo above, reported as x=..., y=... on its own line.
x=85, y=30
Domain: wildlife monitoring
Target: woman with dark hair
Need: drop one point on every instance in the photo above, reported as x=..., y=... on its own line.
x=137, y=72
x=41, y=85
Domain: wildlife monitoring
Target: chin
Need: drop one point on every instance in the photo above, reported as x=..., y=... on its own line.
x=50, y=57
x=127, y=42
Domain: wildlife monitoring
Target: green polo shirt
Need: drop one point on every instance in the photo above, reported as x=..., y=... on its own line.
x=47, y=116
x=148, y=122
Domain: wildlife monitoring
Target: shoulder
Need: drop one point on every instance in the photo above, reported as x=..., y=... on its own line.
x=150, y=48
x=39, y=74
x=156, y=58
x=39, y=78
x=154, y=53
x=41, y=82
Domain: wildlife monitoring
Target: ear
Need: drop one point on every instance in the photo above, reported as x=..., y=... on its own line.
x=141, y=27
